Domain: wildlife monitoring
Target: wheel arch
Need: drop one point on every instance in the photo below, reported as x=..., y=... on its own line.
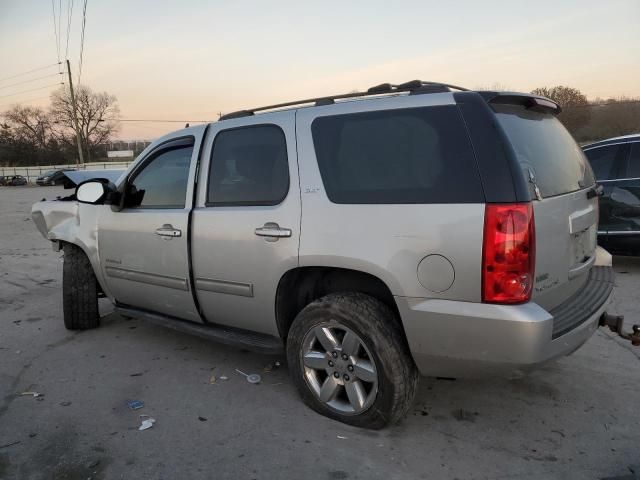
x=302, y=285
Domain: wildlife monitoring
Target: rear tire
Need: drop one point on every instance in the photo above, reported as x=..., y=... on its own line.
x=385, y=390
x=79, y=291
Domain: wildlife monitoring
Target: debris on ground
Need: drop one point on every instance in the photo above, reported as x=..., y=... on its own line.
x=202, y=419
x=342, y=438
x=146, y=423
x=10, y=444
x=135, y=404
x=251, y=377
x=224, y=378
x=31, y=394
x=137, y=374
x=212, y=379
x=272, y=366
x=65, y=404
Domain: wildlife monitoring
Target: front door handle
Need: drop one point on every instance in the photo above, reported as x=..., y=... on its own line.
x=167, y=230
x=273, y=230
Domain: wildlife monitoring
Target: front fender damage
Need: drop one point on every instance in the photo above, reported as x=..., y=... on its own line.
x=71, y=222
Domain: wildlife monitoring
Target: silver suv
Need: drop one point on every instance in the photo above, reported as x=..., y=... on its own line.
x=412, y=229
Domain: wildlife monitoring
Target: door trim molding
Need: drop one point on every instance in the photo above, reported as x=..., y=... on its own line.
x=623, y=232
x=177, y=283
x=224, y=286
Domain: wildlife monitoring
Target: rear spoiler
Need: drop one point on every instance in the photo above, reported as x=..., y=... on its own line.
x=531, y=102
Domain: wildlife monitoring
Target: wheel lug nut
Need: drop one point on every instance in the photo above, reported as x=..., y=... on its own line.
x=334, y=354
x=345, y=357
x=346, y=377
x=350, y=368
x=330, y=363
x=336, y=374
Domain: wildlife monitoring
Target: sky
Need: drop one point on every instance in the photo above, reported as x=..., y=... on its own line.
x=190, y=60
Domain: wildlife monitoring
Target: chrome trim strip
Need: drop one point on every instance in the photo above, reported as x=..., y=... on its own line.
x=624, y=232
x=148, y=278
x=617, y=180
x=609, y=144
x=225, y=286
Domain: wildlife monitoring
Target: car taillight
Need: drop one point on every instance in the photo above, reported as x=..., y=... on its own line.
x=508, y=253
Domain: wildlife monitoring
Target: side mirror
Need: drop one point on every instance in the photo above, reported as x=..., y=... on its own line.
x=92, y=192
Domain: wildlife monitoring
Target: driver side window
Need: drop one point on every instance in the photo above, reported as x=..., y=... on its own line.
x=163, y=181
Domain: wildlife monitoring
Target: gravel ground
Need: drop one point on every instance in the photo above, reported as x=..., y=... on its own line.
x=577, y=418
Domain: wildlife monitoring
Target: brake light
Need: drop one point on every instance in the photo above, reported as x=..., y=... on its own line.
x=508, y=253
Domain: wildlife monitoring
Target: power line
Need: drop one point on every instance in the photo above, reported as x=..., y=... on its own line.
x=69, y=17
x=55, y=29
x=59, y=28
x=29, y=81
x=24, y=101
x=30, y=71
x=84, y=21
x=623, y=102
x=32, y=90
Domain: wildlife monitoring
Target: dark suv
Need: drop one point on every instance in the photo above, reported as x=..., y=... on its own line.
x=616, y=164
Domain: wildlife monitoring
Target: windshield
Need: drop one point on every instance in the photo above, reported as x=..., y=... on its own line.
x=545, y=150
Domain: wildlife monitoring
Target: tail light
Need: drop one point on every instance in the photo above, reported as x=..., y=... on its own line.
x=508, y=253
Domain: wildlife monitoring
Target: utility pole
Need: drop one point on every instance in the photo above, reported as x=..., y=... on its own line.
x=75, y=116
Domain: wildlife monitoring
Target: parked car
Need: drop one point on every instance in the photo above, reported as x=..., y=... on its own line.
x=616, y=164
x=414, y=228
x=53, y=177
x=14, y=180
x=3, y=180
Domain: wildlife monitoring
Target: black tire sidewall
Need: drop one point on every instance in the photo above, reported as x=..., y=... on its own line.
x=79, y=290
x=388, y=352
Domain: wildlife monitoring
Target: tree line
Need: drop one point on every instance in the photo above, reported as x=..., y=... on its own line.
x=38, y=136
x=596, y=120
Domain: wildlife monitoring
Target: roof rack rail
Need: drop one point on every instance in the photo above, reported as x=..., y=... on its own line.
x=414, y=87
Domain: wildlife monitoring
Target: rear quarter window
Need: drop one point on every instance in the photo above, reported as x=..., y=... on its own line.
x=417, y=155
x=546, y=149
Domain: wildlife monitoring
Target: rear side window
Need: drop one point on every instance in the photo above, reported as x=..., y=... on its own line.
x=602, y=160
x=417, y=155
x=249, y=167
x=633, y=167
x=545, y=149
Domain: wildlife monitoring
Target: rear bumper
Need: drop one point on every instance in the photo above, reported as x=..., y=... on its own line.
x=464, y=339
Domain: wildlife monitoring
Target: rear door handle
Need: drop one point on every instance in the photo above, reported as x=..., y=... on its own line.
x=273, y=230
x=167, y=230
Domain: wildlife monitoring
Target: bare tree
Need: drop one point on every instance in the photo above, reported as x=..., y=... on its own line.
x=30, y=125
x=98, y=115
x=575, y=106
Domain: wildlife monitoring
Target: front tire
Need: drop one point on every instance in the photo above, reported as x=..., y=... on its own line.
x=349, y=360
x=79, y=291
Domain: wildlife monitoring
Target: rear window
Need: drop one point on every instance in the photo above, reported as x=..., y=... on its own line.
x=417, y=155
x=546, y=149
